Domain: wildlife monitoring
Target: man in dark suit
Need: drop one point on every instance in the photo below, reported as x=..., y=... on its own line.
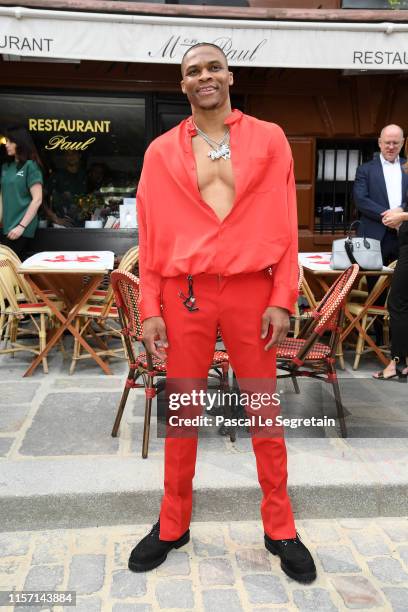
x=381, y=185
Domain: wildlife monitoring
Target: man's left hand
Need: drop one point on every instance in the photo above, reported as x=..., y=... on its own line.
x=279, y=319
x=15, y=233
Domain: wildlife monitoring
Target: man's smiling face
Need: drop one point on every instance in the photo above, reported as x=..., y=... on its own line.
x=206, y=78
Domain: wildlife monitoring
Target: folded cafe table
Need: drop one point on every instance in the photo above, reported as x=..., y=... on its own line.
x=72, y=276
x=319, y=276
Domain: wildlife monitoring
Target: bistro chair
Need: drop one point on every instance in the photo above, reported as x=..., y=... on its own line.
x=10, y=254
x=373, y=313
x=302, y=313
x=128, y=262
x=22, y=289
x=297, y=316
x=19, y=287
x=13, y=309
x=104, y=315
x=26, y=290
x=308, y=355
x=143, y=366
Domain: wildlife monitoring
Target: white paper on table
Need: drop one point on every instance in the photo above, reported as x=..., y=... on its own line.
x=321, y=262
x=71, y=260
x=315, y=261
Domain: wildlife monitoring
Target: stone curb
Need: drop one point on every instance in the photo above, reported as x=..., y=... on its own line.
x=85, y=492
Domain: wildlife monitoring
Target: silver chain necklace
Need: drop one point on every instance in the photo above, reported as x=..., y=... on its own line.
x=218, y=149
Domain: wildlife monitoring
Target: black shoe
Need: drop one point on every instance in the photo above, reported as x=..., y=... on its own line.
x=296, y=560
x=401, y=371
x=152, y=552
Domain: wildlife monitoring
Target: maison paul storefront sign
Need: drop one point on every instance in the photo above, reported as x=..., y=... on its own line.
x=147, y=39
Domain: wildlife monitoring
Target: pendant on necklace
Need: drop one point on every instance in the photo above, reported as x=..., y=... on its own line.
x=223, y=151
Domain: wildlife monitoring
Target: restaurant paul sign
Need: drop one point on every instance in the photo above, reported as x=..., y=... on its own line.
x=148, y=39
x=62, y=141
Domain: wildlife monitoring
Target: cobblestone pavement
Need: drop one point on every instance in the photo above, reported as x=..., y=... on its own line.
x=362, y=564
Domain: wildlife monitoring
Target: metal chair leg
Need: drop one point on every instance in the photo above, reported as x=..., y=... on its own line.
x=295, y=384
x=339, y=404
x=2, y=325
x=225, y=387
x=360, y=344
x=230, y=430
x=148, y=412
x=132, y=378
x=43, y=341
x=76, y=349
x=119, y=413
x=340, y=355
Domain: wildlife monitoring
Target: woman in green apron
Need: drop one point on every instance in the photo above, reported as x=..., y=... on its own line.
x=21, y=190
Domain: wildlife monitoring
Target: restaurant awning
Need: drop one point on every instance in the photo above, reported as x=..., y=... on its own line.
x=68, y=35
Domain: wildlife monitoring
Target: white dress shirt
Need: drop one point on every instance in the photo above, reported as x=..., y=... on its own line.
x=393, y=181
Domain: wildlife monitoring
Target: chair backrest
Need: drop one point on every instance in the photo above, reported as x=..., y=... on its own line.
x=126, y=290
x=21, y=287
x=328, y=314
x=3, y=296
x=127, y=264
x=5, y=250
x=3, y=307
x=8, y=284
x=20, y=284
x=330, y=306
x=129, y=259
x=301, y=277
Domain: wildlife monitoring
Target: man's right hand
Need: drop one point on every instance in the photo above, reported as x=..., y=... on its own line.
x=393, y=218
x=154, y=329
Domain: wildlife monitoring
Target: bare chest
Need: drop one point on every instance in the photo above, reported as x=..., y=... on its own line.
x=215, y=179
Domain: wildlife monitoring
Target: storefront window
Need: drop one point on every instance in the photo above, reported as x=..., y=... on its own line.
x=92, y=149
x=337, y=162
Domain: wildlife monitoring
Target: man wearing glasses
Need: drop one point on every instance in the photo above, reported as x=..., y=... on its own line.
x=380, y=186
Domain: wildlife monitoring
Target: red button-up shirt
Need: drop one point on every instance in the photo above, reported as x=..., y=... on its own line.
x=180, y=234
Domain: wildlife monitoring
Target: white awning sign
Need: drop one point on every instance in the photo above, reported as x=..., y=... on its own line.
x=146, y=39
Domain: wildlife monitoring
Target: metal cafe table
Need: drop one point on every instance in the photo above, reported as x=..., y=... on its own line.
x=72, y=276
x=318, y=274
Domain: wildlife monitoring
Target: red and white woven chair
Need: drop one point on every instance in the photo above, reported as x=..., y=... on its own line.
x=308, y=355
x=301, y=315
x=151, y=370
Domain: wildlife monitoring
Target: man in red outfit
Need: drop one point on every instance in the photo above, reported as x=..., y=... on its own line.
x=217, y=209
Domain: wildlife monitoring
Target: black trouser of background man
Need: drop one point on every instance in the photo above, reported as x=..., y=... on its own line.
x=389, y=251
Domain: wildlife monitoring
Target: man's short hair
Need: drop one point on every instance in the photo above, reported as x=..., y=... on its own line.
x=202, y=44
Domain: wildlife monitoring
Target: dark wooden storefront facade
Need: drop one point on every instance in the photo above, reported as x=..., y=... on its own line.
x=313, y=107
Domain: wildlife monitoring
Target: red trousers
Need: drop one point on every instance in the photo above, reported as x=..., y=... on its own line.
x=235, y=304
